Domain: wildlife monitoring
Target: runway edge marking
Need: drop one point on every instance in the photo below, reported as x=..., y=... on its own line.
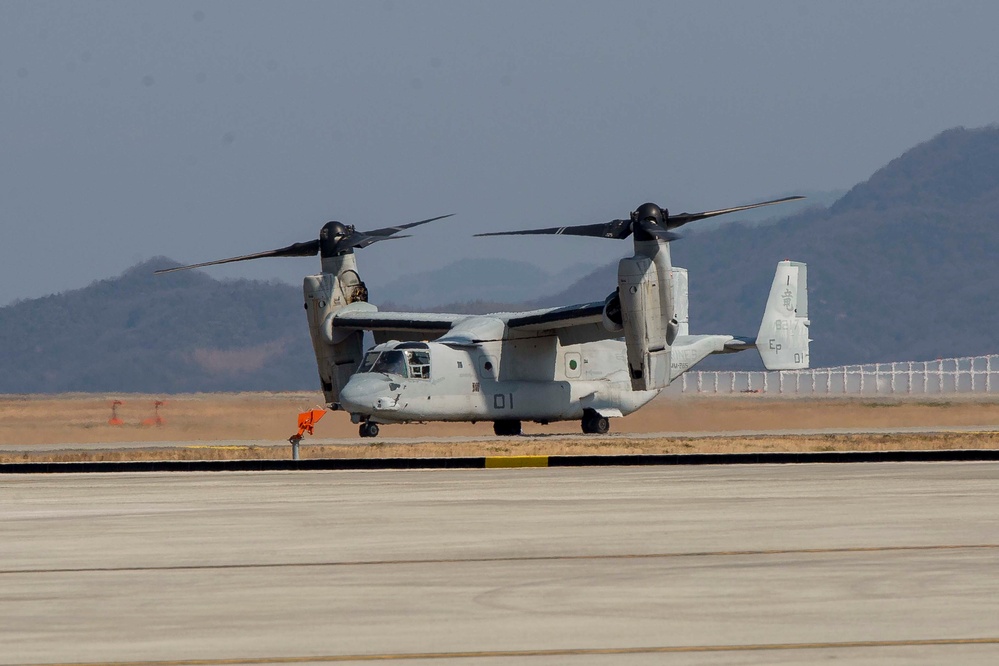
x=481, y=462
x=516, y=461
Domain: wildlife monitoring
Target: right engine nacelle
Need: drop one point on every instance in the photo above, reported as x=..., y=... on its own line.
x=646, y=301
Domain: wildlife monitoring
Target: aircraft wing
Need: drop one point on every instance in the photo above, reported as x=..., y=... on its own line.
x=397, y=325
x=574, y=324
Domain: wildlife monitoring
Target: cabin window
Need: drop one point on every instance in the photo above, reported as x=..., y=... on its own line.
x=391, y=363
x=419, y=364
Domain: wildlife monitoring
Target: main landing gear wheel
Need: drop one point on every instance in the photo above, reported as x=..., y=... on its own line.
x=594, y=424
x=506, y=428
x=369, y=429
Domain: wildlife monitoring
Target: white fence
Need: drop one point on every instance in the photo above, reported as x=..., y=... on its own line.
x=972, y=374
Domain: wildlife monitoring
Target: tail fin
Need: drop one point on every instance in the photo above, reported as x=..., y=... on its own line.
x=783, y=337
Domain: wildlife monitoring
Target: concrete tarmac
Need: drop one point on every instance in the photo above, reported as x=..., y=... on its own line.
x=782, y=564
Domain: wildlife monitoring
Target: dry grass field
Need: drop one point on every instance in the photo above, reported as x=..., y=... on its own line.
x=253, y=424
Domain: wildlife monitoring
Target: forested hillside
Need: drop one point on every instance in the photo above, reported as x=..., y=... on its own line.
x=173, y=333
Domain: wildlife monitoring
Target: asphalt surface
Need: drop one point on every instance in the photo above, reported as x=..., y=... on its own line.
x=872, y=564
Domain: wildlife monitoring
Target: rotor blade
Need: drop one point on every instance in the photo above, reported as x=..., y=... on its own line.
x=614, y=229
x=360, y=240
x=653, y=229
x=675, y=221
x=388, y=231
x=306, y=249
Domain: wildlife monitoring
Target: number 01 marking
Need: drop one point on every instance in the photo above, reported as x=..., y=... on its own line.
x=500, y=400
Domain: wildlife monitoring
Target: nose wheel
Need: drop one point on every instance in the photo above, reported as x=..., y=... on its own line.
x=369, y=429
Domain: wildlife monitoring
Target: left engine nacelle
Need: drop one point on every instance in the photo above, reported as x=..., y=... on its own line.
x=336, y=359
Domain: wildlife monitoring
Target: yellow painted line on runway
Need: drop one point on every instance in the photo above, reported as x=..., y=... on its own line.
x=516, y=461
x=220, y=447
x=564, y=652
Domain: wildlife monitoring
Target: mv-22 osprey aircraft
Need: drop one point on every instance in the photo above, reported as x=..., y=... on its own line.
x=587, y=362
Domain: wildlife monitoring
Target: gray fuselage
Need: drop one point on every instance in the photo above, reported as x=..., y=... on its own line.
x=539, y=380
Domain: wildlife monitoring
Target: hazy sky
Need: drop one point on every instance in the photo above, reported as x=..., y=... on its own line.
x=201, y=130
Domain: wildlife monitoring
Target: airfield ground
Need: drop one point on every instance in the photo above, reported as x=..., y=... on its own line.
x=257, y=425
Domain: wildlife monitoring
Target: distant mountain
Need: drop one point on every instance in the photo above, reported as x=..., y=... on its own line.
x=901, y=267
x=904, y=266
x=489, y=280
x=165, y=334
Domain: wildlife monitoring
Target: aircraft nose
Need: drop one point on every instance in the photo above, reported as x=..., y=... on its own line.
x=367, y=394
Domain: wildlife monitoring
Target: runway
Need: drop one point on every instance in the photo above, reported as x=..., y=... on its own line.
x=780, y=564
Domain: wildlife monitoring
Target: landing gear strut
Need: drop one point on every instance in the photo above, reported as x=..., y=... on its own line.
x=369, y=429
x=595, y=424
x=506, y=428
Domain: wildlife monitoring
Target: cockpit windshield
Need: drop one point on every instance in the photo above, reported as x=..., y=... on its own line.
x=392, y=362
x=369, y=360
x=414, y=364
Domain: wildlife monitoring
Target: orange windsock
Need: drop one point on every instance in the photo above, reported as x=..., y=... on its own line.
x=307, y=420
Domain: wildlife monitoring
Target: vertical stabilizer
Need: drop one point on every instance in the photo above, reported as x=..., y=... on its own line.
x=783, y=337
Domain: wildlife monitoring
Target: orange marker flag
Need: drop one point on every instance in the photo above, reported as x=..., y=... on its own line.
x=307, y=421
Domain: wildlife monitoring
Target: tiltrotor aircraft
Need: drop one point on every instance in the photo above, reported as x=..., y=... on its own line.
x=587, y=362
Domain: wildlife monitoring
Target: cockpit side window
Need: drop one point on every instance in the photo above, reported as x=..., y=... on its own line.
x=369, y=360
x=419, y=364
x=392, y=362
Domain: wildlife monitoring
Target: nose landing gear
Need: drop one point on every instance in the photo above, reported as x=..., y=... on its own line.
x=369, y=429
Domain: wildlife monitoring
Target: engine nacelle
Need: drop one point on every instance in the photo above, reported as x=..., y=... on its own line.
x=646, y=315
x=337, y=356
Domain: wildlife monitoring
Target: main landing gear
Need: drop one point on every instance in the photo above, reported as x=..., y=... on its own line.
x=369, y=429
x=594, y=424
x=506, y=428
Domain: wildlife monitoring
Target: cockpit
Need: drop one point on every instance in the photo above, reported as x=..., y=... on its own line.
x=410, y=360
